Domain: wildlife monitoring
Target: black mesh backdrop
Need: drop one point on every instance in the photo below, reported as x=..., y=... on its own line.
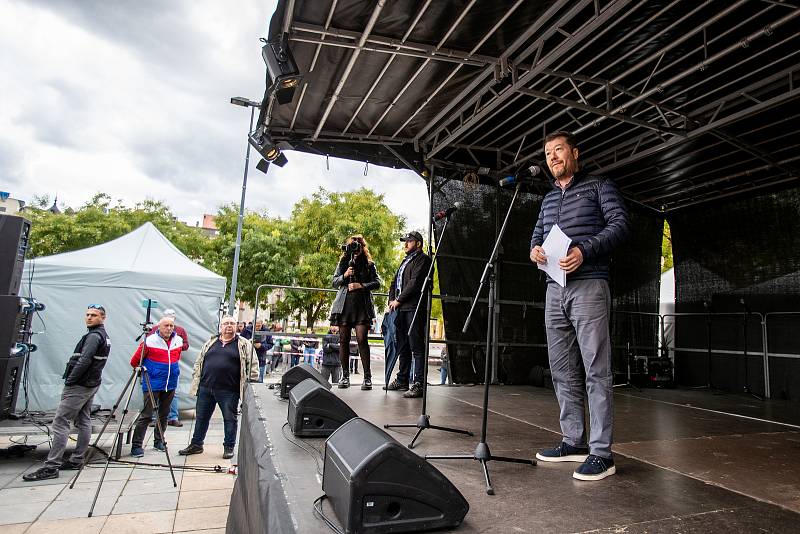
x=463, y=254
x=728, y=257
x=635, y=287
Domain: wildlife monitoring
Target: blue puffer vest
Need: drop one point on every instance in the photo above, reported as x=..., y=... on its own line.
x=592, y=213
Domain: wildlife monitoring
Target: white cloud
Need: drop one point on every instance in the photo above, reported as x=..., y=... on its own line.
x=133, y=99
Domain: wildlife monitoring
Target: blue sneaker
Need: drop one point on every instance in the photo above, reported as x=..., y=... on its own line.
x=564, y=452
x=595, y=468
x=159, y=446
x=137, y=452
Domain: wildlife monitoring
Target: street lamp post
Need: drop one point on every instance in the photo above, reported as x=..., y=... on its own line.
x=240, y=101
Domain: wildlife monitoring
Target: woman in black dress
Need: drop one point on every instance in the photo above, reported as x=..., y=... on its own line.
x=355, y=278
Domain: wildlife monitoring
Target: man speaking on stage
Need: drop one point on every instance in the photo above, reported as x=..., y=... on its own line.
x=590, y=211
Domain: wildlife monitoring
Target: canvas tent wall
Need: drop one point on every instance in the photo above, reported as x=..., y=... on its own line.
x=119, y=275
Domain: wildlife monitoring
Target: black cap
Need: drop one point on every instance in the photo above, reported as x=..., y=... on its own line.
x=412, y=236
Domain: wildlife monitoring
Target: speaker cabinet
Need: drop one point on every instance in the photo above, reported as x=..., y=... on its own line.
x=12, y=324
x=10, y=376
x=376, y=485
x=297, y=374
x=14, y=234
x=314, y=411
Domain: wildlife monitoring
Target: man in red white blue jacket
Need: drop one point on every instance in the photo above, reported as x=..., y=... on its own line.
x=158, y=354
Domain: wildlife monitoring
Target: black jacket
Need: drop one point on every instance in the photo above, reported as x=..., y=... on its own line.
x=330, y=350
x=592, y=213
x=85, y=367
x=413, y=279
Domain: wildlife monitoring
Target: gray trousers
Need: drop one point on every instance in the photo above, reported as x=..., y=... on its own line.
x=576, y=321
x=75, y=406
x=331, y=373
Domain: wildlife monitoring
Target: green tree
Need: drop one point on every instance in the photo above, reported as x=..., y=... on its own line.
x=321, y=224
x=265, y=254
x=98, y=221
x=666, y=249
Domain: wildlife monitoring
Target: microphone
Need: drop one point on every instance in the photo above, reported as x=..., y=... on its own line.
x=438, y=216
x=524, y=176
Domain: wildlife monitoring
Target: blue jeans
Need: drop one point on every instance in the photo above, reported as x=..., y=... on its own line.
x=261, y=370
x=207, y=400
x=173, y=409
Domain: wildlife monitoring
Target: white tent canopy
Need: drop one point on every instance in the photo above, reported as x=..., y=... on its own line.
x=118, y=275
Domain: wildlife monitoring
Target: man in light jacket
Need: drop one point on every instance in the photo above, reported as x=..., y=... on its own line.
x=225, y=363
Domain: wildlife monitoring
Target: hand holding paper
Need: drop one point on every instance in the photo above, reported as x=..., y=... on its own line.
x=555, y=247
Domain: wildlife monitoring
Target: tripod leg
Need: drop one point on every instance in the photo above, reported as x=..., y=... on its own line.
x=159, y=429
x=132, y=386
x=489, y=488
x=93, y=446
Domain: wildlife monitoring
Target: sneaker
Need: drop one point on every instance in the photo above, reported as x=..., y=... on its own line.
x=366, y=384
x=595, y=468
x=228, y=453
x=44, y=473
x=191, y=449
x=137, y=452
x=414, y=392
x=159, y=446
x=175, y=422
x=69, y=466
x=394, y=385
x=344, y=382
x=564, y=452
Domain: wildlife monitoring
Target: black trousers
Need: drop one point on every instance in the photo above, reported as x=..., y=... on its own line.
x=407, y=346
x=163, y=399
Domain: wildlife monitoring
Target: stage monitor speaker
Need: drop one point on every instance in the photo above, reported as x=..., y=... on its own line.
x=10, y=376
x=375, y=484
x=14, y=234
x=297, y=374
x=314, y=411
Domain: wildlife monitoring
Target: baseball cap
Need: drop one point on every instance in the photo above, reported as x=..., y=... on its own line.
x=412, y=236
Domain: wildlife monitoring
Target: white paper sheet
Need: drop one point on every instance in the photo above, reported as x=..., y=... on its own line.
x=555, y=247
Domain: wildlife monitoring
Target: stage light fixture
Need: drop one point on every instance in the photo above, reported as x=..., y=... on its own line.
x=284, y=76
x=269, y=149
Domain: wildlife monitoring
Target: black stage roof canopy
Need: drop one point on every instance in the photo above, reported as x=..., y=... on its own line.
x=682, y=102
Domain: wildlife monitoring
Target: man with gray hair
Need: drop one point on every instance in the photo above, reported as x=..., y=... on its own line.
x=225, y=363
x=173, y=419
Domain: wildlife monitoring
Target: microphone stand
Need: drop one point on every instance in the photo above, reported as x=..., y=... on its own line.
x=424, y=420
x=482, y=453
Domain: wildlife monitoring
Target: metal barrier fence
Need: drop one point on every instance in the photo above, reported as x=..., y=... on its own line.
x=744, y=321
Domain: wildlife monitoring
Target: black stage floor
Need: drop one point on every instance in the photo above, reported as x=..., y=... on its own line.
x=685, y=463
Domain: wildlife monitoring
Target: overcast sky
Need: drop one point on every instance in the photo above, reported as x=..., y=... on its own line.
x=133, y=99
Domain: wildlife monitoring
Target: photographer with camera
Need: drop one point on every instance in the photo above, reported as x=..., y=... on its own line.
x=355, y=278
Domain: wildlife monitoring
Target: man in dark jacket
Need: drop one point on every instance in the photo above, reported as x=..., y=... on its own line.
x=331, y=364
x=405, y=292
x=81, y=381
x=591, y=212
x=262, y=343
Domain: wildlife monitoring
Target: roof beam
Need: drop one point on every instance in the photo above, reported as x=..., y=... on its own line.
x=353, y=57
x=544, y=62
x=386, y=66
x=482, y=78
x=385, y=45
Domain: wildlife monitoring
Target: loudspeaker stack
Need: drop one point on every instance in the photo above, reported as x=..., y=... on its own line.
x=15, y=312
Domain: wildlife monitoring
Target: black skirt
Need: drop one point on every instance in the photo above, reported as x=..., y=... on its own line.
x=356, y=310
